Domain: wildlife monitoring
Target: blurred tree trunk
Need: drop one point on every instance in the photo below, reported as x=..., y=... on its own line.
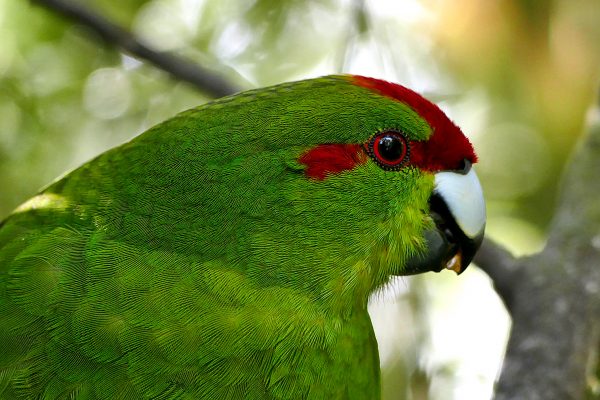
x=554, y=296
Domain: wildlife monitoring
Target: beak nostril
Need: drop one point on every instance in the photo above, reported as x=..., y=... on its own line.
x=464, y=167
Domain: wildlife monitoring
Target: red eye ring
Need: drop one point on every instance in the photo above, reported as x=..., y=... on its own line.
x=389, y=149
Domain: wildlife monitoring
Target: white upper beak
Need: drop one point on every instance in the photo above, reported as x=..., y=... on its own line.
x=464, y=197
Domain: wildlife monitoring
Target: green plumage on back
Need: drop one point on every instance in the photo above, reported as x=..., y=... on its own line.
x=200, y=261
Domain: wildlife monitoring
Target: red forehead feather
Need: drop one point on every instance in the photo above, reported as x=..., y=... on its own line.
x=446, y=147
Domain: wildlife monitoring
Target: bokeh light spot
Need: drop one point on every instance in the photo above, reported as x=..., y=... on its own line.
x=107, y=93
x=515, y=158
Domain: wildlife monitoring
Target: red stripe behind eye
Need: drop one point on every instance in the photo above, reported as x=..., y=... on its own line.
x=326, y=159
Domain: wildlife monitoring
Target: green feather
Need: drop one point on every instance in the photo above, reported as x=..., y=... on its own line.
x=198, y=261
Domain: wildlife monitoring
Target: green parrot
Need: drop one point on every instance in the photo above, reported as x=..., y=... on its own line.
x=229, y=252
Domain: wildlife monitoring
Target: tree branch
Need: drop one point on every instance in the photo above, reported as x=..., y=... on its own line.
x=501, y=267
x=180, y=68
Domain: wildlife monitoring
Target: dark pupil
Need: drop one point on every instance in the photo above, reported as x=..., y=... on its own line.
x=391, y=148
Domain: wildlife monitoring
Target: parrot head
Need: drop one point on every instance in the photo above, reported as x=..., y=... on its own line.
x=456, y=204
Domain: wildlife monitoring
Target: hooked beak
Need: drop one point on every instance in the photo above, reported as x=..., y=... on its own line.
x=457, y=209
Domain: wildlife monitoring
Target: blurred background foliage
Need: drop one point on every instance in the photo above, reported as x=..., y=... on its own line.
x=518, y=75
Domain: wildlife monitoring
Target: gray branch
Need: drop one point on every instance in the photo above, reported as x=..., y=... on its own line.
x=180, y=68
x=501, y=267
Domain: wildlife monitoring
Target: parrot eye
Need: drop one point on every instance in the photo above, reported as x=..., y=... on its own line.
x=389, y=150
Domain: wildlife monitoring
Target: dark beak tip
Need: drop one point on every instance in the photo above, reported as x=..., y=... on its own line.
x=440, y=252
x=470, y=248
